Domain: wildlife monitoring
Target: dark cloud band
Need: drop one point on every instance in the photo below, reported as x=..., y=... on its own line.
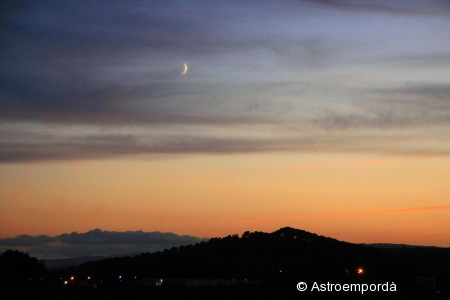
x=97, y=242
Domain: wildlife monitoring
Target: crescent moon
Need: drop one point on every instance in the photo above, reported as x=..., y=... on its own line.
x=186, y=69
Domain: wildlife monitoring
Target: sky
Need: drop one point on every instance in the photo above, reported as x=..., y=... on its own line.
x=331, y=116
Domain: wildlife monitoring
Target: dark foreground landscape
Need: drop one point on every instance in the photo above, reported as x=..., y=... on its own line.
x=256, y=265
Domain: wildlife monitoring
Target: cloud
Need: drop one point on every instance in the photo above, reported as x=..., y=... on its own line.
x=398, y=7
x=80, y=62
x=435, y=59
x=333, y=133
x=109, y=63
x=421, y=94
x=96, y=242
x=84, y=81
x=25, y=240
x=411, y=105
x=102, y=146
x=390, y=124
x=67, y=62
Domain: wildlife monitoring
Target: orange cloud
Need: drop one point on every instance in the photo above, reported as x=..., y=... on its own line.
x=352, y=213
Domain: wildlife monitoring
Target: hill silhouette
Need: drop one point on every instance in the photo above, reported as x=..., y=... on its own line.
x=258, y=256
x=261, y=265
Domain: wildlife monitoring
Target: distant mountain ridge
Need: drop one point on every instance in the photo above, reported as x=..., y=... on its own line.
x=259, y=265
x=259, y=255
x=52, y=264
x=268, y=265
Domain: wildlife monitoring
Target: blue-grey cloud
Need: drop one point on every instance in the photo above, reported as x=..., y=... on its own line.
x=110, y=64
x=425, y=60
x=413, y=105
x=96, y=242
x=401, y=7
x=396, y=112
x=25, y=240
x=93, y=62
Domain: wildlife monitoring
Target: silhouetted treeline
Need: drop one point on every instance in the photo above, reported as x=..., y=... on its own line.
x=287, y=254
x=17, y=266
x=258, y=265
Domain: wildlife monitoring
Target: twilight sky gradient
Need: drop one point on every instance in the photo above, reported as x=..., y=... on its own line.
x=338, y=109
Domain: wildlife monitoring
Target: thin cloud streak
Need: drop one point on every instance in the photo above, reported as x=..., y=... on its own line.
x=407, y=8
x=353, y=213
x=29, y=147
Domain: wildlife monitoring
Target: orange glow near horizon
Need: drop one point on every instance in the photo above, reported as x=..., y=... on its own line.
x=352, y=213
x=403, y=201
x=366, y=162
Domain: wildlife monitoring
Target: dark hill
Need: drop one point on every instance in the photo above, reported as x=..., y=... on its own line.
x=54, y=264
x=262, y=266
x=289, y=253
